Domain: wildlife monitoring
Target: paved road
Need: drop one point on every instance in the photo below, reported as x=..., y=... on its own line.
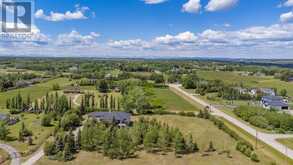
x=14, y=155
x=269, y=139
x=32, y=160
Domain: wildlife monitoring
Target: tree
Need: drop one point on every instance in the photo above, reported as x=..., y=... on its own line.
x=211, y=147
x=67, y=154
x=191, y=146
x=283, y=92
x=164, y=139
x=254, y=157
x=103, y=86
x=78, y=140
x=135, y=101
x=46, y=120
x=125, y=147
x=180, y=146
x=49, y=148
x=150, y=140
x=4, y=131
x=70, y=120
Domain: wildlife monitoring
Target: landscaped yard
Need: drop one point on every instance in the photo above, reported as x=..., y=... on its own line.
x=203, y=131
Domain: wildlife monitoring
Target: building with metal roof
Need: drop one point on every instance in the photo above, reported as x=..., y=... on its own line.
x=274, y=102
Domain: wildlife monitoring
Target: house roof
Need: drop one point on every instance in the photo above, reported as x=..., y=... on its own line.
x=3, y=117
x=110, y=116
x=275, y=101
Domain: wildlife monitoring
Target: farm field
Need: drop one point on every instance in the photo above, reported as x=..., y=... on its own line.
x=202, y=130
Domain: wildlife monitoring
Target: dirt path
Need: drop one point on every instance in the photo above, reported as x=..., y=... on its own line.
x=14, y=155
x=270, y=139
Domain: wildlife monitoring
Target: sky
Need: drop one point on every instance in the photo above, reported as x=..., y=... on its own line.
x=158, y=29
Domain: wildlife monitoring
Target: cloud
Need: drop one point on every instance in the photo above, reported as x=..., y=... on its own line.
x=74, y=38
x=152, y=2
x=216, y=5
x=286, y=17
x=185, y=37
x=78, y=14
x=129, y=44
x=288, y=3
x=192, y=6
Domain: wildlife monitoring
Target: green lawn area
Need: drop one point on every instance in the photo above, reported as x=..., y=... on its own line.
x=202, y=130
x=33, y=123
x=171, y=101
x=35, y=91
x=287, y=142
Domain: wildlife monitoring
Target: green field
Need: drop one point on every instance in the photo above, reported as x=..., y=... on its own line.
x=203, y=131
x=171, y=101
x=35, y=91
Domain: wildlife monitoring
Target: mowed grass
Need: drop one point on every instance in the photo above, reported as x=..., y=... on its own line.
x=33, y=123
x=171, y=101
x=202, y=130
x=248, y=81
x=36, y=91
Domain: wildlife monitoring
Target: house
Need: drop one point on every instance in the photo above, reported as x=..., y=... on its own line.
x=118, y=118
x=290, y=79
x=73, y=89
x=274, y=102
x=263, y=91
x=3, y=117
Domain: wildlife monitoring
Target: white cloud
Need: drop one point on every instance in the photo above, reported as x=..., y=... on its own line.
x=74, y=38
x=152, y=2
x=286, y=17
x=185, y=37
x=79, y=13
x=288, y=3
x=192, y=6
x=216, y=5
x=129, y=44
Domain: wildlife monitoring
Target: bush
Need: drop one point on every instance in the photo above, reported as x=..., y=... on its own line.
x=46, y=120
x=254, y=157
x=49, y=148
x=259, y=121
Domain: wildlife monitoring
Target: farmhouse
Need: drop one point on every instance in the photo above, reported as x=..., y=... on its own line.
x=274, y=102
x=264, y=91
x=119, y=118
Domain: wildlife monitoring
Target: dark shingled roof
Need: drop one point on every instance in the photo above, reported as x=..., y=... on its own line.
x=274, y=101
x=3, y=117
x=120, y=117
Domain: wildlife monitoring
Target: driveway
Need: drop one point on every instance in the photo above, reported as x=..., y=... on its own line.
x=13, y=153
x=269, y=139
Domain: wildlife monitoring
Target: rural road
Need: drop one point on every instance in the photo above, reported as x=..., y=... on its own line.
x=75, y=100
x=14, y=155
x=269, y=139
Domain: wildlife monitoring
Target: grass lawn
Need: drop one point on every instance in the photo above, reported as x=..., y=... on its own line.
x=35, y=91
x=203, y=131
x=171, y=101
x=32, y=123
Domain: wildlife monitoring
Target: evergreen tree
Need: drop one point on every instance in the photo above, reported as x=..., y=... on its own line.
x=150, y=140
x=67, y=154
x=78, y=140
x=190, y=145
x=3, y=131
x=180, y=146
x=164, y=140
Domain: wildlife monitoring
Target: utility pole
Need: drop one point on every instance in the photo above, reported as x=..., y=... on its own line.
x=256, y=139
